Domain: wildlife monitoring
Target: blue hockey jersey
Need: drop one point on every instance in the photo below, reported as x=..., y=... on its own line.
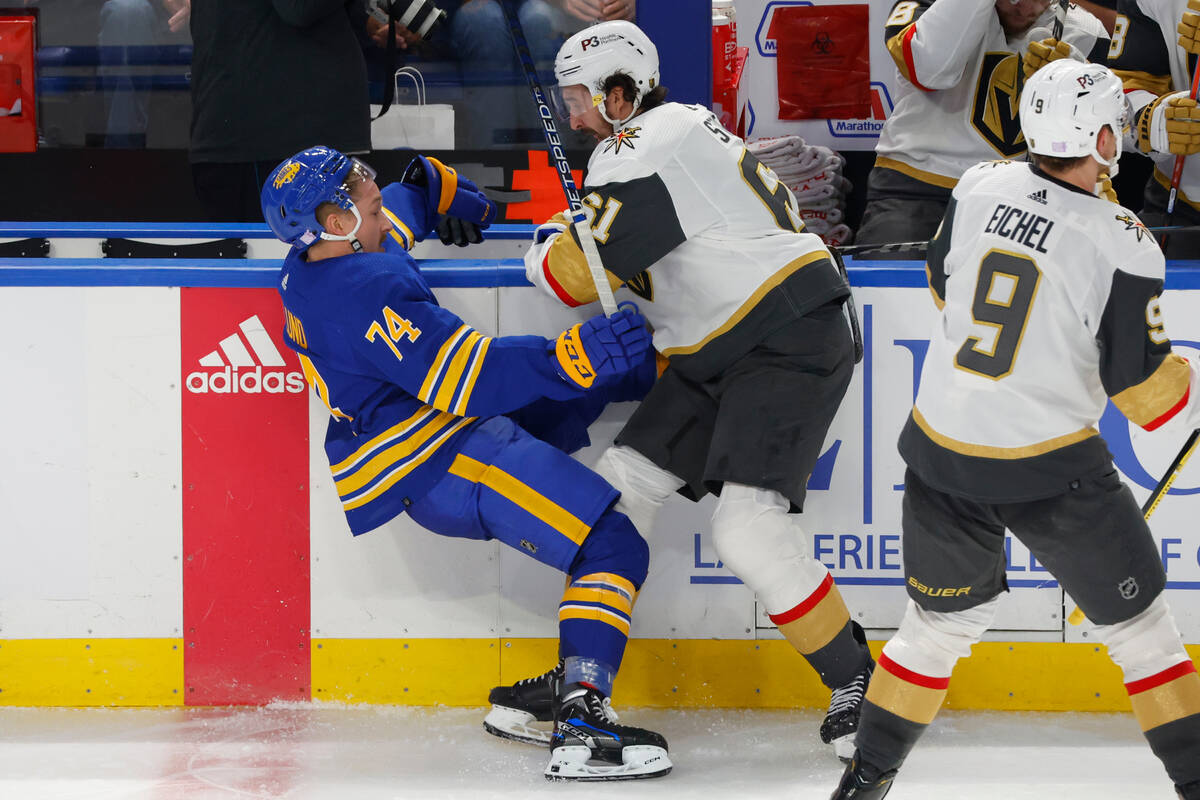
x=403, y=378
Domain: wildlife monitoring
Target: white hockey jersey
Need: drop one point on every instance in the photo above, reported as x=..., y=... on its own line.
x=704, y=234
x=1050, y=305
x=1146, y=55
x=960, y=81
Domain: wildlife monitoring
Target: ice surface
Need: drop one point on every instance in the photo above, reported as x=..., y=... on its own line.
x=323, y=751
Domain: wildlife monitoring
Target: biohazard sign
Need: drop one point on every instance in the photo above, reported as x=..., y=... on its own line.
x=823, y=61
x=18, y=111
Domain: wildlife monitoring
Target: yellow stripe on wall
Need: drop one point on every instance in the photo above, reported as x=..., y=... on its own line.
x=91, y=672
x=663, y=673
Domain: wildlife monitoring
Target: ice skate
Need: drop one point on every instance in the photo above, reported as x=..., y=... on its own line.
x=587, y=745
x=862, y=781
x=516, y=708
x=841, y=721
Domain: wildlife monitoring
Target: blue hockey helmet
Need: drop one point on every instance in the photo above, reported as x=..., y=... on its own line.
x=301, y=184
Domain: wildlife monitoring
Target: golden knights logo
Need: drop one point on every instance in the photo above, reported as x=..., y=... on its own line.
x=622, y=138
x=1134, y=224
x=997, y=100
x=642, y=286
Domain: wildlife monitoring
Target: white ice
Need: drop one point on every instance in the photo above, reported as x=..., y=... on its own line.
x=339, y=752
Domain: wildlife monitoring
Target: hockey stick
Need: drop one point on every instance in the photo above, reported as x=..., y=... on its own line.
x=1060, y=15
x=1181, y=458
x=1177, y=172
x=851, y=308
x=583, y=230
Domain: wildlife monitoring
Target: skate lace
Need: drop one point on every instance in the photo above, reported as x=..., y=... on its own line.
x=847, y=697
x=545, y=677
x=602, y=707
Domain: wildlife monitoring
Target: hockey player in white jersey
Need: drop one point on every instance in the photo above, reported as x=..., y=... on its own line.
x=1154, y=51
x=1050, y=305
x=960, y=67
x=747, y=308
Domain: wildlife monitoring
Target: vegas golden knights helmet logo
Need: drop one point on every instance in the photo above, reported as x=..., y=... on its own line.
x=997, y=98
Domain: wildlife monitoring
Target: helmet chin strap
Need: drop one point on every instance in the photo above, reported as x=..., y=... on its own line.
x=1110, y=164
x=617, y=124
x=350, y=237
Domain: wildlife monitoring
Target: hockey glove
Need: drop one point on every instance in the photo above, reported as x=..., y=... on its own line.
x=1189, y=28
x=459, y=232
x=1104, y=188
x=449, y=193
x=602, y=346
x=1042, y=53
x=1171, y=124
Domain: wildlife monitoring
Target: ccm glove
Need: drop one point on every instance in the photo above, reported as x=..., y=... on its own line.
x=459, y=232
x=1189, y=28
x=602, y=347
x=1042, y=53
x=1171, y=124
x=449, y=193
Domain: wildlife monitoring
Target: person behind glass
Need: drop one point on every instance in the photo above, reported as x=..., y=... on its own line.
x=960, y=65
x=125, y=23
x=422, y=415
x=481, y=42
x=269, y=78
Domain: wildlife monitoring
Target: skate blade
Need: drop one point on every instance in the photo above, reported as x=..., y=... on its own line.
x=843, y=747
x=517, y=725
x=575, y=764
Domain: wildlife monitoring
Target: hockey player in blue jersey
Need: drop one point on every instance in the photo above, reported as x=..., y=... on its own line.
x=422, y=412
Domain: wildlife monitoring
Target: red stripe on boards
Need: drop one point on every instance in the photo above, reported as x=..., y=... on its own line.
x=245, y=501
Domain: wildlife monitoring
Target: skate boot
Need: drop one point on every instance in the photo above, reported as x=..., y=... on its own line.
x=515, y=708
x=587, y=745
x=863, y=782
x=841, y=721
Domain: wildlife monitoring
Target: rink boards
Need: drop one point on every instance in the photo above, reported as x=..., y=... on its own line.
x=173, y=536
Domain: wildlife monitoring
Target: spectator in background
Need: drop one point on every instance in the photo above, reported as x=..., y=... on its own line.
x=126, y=23
x=271, y=78
x=493, y=86
x=961, y=65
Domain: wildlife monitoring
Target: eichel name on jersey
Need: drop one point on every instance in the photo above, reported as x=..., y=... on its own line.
x=960, y=84
x=1037, y=330
x=404, y=379
x=1146, y=57
x=717, y=257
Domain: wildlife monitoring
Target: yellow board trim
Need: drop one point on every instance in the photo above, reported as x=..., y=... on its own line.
x=522, y=495
x=662, y=673
x=91, y=672
x=746, y=307
x=1007, y=453
x=919, y=174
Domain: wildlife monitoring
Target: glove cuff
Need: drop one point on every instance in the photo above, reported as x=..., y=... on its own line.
x=1143, y=125
x=572, y=360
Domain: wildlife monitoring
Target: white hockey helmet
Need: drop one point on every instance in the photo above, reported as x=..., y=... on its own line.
x=1066, y=103
x=597, y=52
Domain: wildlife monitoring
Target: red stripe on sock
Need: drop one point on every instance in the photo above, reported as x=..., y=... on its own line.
x=909, y=676
x=806, y=606
x=1166, y=676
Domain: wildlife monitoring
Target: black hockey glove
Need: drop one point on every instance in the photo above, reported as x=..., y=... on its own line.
x=460, y=232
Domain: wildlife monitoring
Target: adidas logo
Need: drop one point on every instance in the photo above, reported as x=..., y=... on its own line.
x=237, y=371
x=1038, y=197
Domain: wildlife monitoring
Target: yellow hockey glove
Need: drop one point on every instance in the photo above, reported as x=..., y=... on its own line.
x=1189, y=28
x=1171, y=124
x=1042, y=53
